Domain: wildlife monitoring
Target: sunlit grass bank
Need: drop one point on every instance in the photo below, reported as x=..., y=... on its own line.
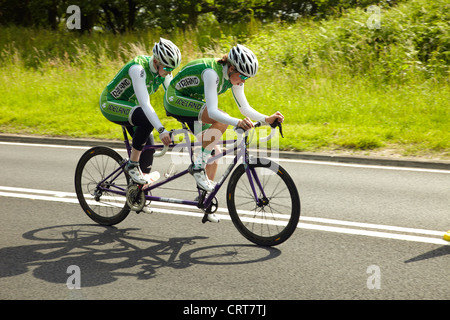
x=340, y=85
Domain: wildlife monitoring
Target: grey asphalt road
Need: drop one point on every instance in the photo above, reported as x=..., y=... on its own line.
x=365, y=233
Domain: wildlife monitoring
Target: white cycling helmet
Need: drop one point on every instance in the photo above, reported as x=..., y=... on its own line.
x=244, y=60
x=167, y=53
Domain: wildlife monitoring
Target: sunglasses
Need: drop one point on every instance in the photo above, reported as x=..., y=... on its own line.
x=165, y=68
x=243, y=77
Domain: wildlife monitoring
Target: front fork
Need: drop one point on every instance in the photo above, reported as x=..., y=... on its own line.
x=261, y=200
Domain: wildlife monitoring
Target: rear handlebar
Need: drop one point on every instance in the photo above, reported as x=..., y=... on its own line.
x=162, y=152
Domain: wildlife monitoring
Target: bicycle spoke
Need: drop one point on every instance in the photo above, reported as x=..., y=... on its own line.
x=273, y=216
x=97, y=196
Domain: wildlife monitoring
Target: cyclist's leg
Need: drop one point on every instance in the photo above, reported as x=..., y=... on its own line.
x=188, y=108
x=177, y=105
x=123, y=113
x=146, y=156
x=185, y=109
x=210, y=138
x=142, y=136
x=116, y=111
x=146, y=160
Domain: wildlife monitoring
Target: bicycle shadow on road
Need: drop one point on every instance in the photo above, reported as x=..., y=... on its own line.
x=439, y=252
x=104, y=254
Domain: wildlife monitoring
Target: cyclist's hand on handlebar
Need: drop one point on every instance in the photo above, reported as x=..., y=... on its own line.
x=165, y=138
x=275, y=120
x=276, y=116
x=245, y=124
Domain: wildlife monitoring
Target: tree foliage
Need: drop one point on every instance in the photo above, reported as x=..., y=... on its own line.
x=119, y=16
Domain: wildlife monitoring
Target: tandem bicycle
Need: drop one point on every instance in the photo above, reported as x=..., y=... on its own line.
x=261, y=197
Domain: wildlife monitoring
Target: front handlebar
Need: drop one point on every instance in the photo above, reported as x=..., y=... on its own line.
x=275, y=124
x=240, y=131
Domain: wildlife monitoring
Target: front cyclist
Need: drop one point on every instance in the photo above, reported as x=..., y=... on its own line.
x=193, y=96
x=126, y=101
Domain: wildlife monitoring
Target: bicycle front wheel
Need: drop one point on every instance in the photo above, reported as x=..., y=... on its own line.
x=272, y=216
x=101, y=185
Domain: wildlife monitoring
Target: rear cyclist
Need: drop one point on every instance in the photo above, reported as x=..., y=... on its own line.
x=126, y=101
x=193, y=96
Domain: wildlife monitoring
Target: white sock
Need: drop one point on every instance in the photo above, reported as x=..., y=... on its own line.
x=202, y=159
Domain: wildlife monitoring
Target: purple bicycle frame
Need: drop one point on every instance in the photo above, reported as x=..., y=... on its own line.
x=250, y=171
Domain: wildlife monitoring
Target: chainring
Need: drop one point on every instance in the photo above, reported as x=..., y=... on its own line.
x=135, y=198
x=213, y=207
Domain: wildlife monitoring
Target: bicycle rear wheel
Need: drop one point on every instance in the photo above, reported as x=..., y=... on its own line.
x=98, y=182
x=273, y=217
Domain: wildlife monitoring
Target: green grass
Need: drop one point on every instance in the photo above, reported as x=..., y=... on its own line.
x=340, y=85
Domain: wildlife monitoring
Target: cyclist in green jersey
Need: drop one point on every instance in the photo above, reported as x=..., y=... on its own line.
x=193, y=96
x=126, y=101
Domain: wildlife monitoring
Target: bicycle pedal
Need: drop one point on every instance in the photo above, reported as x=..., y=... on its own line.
x=210, y=217
x=191, y=168
x=146, y=209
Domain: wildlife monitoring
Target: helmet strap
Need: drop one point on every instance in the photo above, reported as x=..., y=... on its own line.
x=154, y=65
x=230, y=73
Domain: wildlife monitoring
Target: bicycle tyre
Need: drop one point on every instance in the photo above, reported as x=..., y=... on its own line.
x=270, y=224
x=105, y=208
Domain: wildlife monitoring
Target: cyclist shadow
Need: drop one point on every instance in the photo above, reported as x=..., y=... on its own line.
x=104, y=254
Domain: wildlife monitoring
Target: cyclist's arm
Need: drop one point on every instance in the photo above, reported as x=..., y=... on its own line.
x=210, y=80
x=138, y=76
x=244, y=106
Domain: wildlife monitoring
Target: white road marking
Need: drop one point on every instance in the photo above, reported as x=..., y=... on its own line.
x=22, y=144
x=333, y=225
x=354, y=165
x=327, y=163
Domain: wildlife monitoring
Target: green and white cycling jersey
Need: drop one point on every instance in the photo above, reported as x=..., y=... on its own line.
x=198, y=85
x=130, y=88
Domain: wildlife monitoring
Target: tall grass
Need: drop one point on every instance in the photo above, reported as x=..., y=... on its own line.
x=341, y=85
